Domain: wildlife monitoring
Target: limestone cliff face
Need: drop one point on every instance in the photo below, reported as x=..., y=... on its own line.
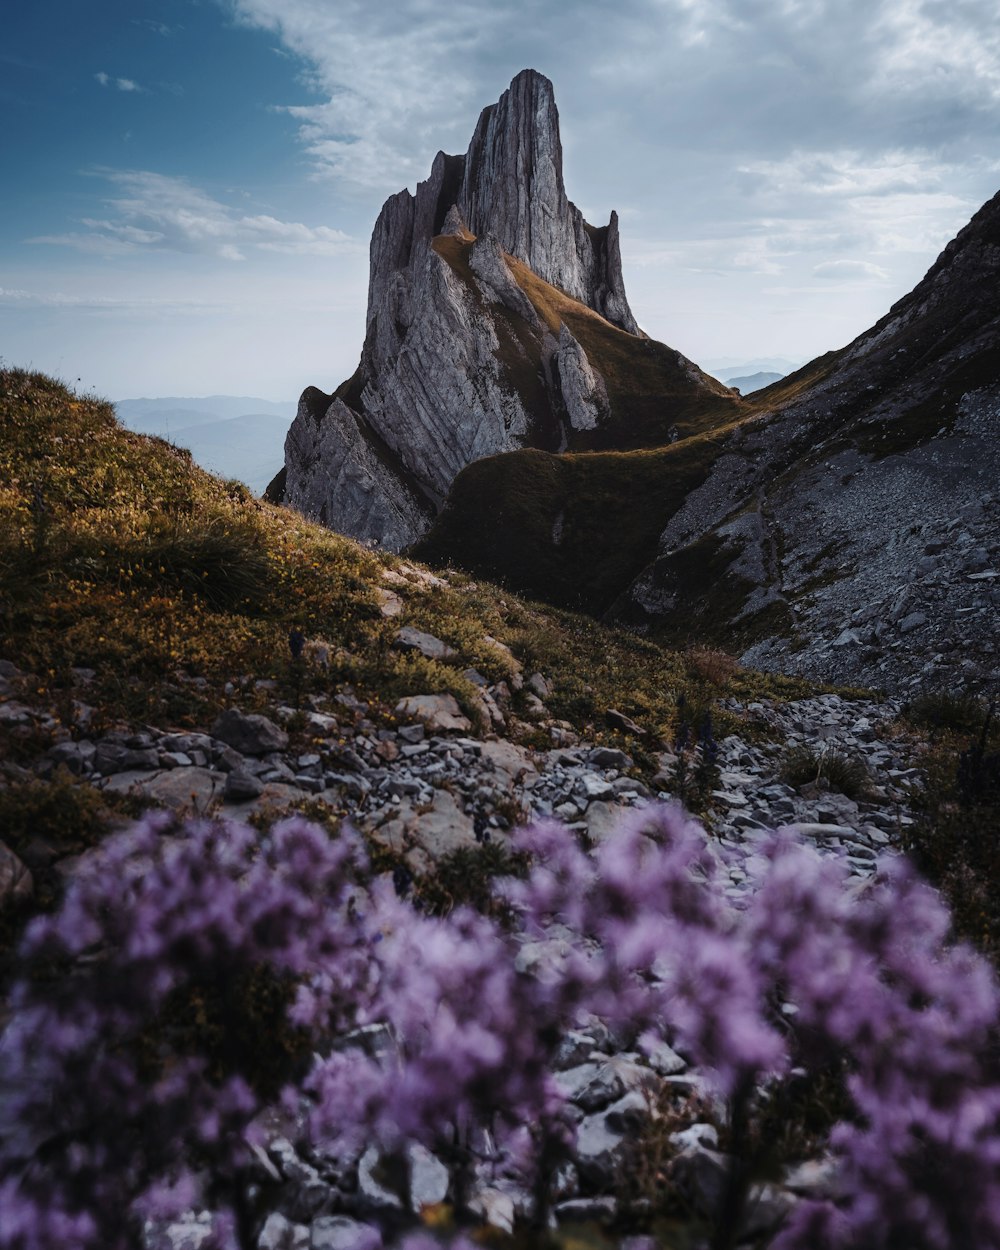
x=463, y=358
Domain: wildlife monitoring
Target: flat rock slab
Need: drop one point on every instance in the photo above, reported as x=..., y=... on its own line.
x=410, y=639
x=191, y=789
x=440, y=713
x=431, y=834
x=508, y=758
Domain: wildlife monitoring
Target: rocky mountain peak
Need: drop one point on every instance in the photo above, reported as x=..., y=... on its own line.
x=497, y=319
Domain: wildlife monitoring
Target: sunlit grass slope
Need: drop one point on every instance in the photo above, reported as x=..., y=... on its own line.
x=119, y=555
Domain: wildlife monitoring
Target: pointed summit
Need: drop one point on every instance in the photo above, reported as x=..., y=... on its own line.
x=512, y=188
x=497, y=319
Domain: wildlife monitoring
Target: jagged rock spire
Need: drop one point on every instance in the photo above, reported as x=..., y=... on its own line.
x=509, y=184
x=458, y=362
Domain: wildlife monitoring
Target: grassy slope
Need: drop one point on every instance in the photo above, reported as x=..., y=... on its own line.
x=572, y=529
x=119, y=555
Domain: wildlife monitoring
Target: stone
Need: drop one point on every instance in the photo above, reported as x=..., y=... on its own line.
x=16, y=883
x=609, y=757
x=508, y=758
x=618, y=720
x=389, y=603
x=340, y=1232
x=240, y=787
x=591, y=1085
x=913, y=621
x=190, y=1232
x=189, y=790
x=429, y=1178
x=439, y=713
x=664, y=1060
x=437, y=832
x=602, y=820
x=74, y=756
x=599, y=1152
x=496, y=1208
x=280, y=1233
x=410, y=639
x=249, y=733
x=109, y=758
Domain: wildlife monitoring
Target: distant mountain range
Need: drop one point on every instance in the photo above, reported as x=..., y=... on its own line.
x=727, y=368
x=233, y=435
x=749, y=383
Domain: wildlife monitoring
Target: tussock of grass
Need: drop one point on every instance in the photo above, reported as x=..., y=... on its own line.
x=837, y=770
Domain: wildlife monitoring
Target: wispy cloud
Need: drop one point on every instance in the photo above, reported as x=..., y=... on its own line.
x=155, y=211
x=850, y=271
x=119, y=84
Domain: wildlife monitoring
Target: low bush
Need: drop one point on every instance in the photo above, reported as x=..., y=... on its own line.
x=835, y=770
x=940, y=710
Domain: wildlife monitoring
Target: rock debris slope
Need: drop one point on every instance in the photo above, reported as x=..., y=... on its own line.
x=860, y=518
x=497, y=319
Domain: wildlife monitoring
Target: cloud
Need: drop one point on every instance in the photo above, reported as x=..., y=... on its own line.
x=121, y=84
x=850, y=270
x=158, y=212
x=14, y=297
x=158, y=28
x=401, y=76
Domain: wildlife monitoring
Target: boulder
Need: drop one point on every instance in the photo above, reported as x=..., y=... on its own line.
x=249, y=733
x=16, y=884
x=439, y=713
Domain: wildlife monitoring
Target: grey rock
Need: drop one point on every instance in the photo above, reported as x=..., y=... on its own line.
x=439, y=713
x=190, y=1232
x=240, y=787
x=429, y=1178
x=16, y=884
x=249, y=733
x=599, y=1152
x=664, y=1060
x=495, y=1207
x=410, y=639
x=585, y=1209
x=609, y=757
x=591, y=1085
x=280, y=1233
x=109, y=758
x=187, y=790
x=913, y=621
x=618, y=720
x=74, y=756
x=339, y=1232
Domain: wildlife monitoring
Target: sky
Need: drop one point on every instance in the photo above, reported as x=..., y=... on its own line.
x=190, y=185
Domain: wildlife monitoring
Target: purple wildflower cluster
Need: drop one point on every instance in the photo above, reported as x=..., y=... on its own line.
x=639, y=933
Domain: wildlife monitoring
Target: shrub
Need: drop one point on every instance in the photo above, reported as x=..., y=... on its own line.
x=839, y=771
x=712, y=665
x=940, y=710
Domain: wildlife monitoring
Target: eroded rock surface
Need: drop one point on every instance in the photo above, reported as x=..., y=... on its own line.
x=467, y=353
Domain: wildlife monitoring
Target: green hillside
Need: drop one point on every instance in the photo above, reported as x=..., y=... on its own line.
x=118, y=555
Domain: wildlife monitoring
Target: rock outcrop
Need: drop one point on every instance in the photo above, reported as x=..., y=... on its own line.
x=860, y=520
x=469, y=350
x=846, y=525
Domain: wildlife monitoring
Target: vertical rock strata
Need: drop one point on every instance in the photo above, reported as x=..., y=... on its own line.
x=457, y=364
